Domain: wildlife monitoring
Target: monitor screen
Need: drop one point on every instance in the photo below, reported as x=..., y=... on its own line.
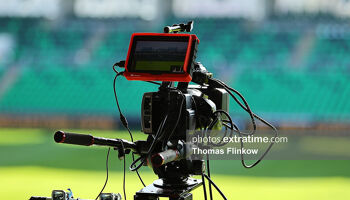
x=158, y=56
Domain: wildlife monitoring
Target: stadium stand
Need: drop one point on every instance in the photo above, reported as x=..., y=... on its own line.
x=297, y=73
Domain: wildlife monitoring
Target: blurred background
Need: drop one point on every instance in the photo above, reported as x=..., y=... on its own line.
x=289, y=58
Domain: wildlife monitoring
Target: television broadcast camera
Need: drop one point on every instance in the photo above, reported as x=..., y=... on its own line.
x=168, y=114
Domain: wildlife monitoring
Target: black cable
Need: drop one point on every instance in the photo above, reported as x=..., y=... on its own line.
x=229, y=89
x=232, y=125
x=137, y=172
x=124, y=174
x=124, y=179
x=196, y=111
x=109, y=149
x=247, y=108
x=116, y=64
x=208, y=168
x=133, y=157
x=123, y=118
x=241, y=142
x=153, y=82
x=158, y=134
x=242, y=133
x=261, y=157
x=210, y=188
x=266, y=151
x=133, y=166
x=200, y=127
x=150, y=149
x=177, y=121
x=245, y=102
x=204, y=188
x=216, y=187
x=125, y=124
x=116, y=98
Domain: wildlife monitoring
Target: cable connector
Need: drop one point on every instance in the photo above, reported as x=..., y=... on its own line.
x=200, y=74
x=212, y=82
x=120, y=64
x=124, y=121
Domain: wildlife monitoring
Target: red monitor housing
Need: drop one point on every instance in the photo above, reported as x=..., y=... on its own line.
x=161, y=57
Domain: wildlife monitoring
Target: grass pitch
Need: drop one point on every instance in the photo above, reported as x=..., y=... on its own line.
x=32, y=164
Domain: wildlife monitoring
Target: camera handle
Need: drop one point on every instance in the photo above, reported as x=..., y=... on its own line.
x=88, y=140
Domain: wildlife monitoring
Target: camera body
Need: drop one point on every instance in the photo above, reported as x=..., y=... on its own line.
x=155, y=105
x=199, y=104
x=186, y=108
